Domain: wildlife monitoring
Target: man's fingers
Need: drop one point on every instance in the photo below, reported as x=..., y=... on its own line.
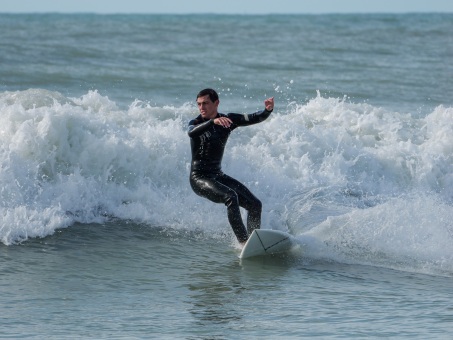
x=269, y=103
x=223, y=121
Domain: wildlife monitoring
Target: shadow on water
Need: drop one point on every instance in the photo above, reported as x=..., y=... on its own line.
x=230, y=294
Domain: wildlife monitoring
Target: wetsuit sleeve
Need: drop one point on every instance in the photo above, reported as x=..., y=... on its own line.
x=196, y=128
x=249, y=119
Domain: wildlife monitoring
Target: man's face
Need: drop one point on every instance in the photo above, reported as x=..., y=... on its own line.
x=208, y=109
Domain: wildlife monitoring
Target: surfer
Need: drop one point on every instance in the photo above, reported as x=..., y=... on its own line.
x=208, y=134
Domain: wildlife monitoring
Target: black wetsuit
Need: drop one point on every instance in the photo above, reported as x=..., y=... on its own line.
x=206, y=177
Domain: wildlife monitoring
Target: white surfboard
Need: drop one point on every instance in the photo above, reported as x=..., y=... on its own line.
x=266, y=241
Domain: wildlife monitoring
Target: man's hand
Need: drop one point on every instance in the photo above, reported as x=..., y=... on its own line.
x=269, y=104
x=223, y=121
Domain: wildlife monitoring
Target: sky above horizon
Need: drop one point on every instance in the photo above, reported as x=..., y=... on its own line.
x=226, y=7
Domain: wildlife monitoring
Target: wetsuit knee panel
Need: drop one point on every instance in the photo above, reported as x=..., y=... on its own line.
x=258, y=205
x=231, y=198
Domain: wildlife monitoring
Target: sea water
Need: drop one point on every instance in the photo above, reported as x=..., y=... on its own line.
x=102, y=236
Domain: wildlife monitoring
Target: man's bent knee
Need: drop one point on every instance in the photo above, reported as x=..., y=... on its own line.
x=231, y=199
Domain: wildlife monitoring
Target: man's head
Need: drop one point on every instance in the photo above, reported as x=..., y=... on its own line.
x=208, y=102
x=208, y=92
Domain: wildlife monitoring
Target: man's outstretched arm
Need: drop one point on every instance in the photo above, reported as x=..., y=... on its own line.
x=254, y=118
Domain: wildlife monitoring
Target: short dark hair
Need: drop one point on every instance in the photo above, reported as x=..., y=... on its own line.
x=208, y=92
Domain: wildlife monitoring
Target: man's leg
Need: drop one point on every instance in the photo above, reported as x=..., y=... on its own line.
x=217, y=192
x=246, y=200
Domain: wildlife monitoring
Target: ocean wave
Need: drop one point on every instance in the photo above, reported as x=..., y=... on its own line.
x=314, y=164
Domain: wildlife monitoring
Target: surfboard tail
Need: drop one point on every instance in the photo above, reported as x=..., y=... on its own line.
x=265, y=242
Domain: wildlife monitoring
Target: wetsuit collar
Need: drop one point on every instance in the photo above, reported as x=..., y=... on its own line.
x=206, y=119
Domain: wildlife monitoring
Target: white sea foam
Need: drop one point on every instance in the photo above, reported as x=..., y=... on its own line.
x=356, y=177
x=406, y=233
